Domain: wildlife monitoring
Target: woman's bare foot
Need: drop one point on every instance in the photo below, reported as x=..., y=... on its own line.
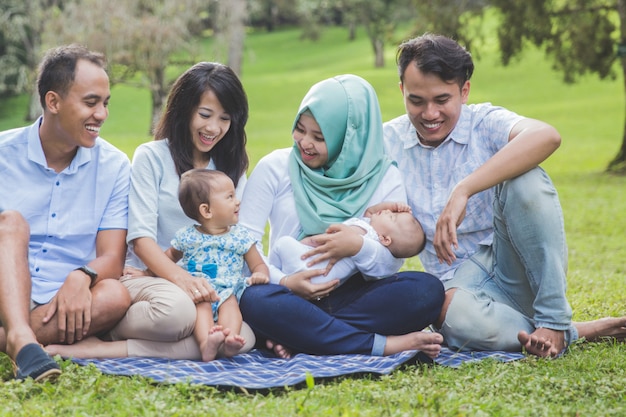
x=545, y=343
x=232, y=344
x=279, y=350
x=427, y=342
x=608, y=327
x=91, y=347
x=210, y=346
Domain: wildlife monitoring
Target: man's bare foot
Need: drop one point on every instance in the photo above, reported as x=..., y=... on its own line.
x=279, y=350
x=91, y=347
x=210, y=346
x=608, y=327
x=543, y=342
x=427, y=342
x=232, y=345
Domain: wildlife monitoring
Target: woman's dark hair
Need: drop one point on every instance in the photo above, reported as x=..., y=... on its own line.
x=229, y=154
x=58, y=69
x=436, y=54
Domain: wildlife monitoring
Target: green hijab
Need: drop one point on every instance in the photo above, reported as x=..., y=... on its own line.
x=347, y=111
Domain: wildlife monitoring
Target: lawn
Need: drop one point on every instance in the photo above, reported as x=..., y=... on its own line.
x=279, y=68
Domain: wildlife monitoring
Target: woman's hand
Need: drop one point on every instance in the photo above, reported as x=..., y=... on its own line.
x=339, y=241
x=198, y=289
x=300, y=283
x=131, y=271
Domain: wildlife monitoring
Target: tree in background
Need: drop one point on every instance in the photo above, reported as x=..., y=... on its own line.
x=459, y=19
x=380, y=19
x=579, y=36
x=271, y=14
x=141, y=38
x=230, y=32
x=21, y=27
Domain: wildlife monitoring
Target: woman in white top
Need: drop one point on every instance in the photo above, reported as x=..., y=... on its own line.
x=334, y=171
x=202, y=127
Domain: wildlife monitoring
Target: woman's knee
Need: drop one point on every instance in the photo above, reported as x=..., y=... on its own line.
x=423, y=287
x=259, y=301
x=166, y=306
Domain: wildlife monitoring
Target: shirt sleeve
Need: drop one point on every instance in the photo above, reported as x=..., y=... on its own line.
x=143, y=200
x=256, y=206
x=115, y=215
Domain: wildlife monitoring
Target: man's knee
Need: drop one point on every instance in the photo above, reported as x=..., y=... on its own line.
x=527, y=187
x=470, y=325
x=111, y=300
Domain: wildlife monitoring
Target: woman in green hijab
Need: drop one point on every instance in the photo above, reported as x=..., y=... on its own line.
x=334, y=171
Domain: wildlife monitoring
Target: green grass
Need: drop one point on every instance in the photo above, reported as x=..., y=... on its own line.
x=278, y=70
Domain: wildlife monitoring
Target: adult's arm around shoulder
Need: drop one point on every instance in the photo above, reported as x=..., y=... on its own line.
x=259, y=198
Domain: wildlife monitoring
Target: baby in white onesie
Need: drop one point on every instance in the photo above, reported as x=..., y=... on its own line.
x=389, y=223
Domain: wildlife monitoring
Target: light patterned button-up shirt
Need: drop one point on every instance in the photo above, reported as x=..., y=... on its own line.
x=431, y=173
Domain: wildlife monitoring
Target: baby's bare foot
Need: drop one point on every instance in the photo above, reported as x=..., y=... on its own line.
x=232, y=345
x=209, y=347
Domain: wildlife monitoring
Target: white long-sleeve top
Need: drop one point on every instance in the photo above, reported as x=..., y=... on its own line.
x=153, y=207
x=268, y=196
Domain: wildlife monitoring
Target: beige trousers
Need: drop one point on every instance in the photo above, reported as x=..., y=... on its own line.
x=160, y=321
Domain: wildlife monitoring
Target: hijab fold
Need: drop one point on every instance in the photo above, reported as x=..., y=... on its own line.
x=346, y=109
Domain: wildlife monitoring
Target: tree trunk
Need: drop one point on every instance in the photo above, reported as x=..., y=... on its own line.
x=230, y=32
x=379, y=52
x=34, y=107
x=618, y=164
x=351, y=30
x=237, y=27
x=158, y=92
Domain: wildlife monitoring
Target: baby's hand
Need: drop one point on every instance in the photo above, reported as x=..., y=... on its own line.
x=258, y=278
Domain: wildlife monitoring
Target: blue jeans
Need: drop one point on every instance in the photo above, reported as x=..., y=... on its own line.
x=352, y=319
x=517, y=283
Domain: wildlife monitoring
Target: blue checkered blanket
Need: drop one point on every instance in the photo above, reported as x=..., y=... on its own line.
x=261, y=370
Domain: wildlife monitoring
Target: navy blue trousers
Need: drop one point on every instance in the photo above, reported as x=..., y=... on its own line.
x=347, y=320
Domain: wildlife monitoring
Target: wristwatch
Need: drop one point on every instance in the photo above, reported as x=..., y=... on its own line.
x=92, y=274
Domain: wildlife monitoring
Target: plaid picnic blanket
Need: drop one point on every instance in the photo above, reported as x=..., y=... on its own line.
x=261, y=370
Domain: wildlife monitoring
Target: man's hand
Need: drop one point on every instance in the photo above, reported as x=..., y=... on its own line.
x=445, y=240
x=72, y=305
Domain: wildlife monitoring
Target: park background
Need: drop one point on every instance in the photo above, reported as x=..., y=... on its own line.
x=277, y=69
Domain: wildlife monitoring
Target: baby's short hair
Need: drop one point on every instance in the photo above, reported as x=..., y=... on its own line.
x=409, y=239
x=195, y=189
